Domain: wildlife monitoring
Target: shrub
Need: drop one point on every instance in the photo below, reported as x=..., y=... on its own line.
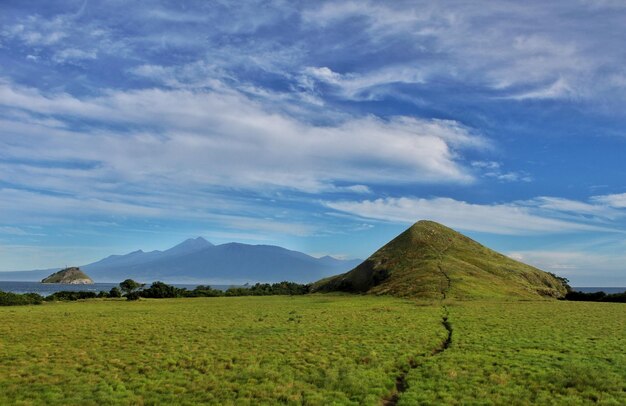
x=204, y=291
x=133, y=296
x=160, y=290
x=115, y=292
x=129, y=286
x=16, y=299
x=595, y=297
x=70, y=295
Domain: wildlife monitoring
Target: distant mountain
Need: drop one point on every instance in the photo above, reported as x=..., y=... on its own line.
x=198, y=261
x=432, y=261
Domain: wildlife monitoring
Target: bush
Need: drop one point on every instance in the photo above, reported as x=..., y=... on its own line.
x=259, y=289
x=160, y=290
x=595, y=297
x=129, y=286
x=115, y=292
x=204, y=291
x=16, y=299
x=133, y=296
x=70, y=295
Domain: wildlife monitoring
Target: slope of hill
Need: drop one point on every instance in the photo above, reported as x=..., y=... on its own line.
x=72, y=276
x=432, y=261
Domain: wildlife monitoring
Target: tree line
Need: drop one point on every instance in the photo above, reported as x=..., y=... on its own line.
x=132, y=290
x=595, y=297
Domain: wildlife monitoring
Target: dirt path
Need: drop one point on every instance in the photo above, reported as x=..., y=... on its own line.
x=401, y=382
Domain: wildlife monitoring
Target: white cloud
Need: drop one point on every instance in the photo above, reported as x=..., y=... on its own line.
x=362, y=86
x=73, y=54
x=528, y=51
x=582, y=268
x=507, y=219
x=617, y=200
x=575, y=206
x=13, y=231
x=492, y=169
x=558, y=89
x=223, y=138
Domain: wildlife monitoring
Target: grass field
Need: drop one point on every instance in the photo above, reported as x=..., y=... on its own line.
x=524, y=353
x=245, y=350
x=318, y=349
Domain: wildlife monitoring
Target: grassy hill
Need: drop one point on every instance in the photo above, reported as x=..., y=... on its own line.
x=72, y=275
x=432, y=261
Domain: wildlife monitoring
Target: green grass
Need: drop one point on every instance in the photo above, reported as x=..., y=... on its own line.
x=527, y=353
x=245, y=350
x=316, y=349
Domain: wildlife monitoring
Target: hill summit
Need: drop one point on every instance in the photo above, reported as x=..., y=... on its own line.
x=72, y=275
x=432, y=261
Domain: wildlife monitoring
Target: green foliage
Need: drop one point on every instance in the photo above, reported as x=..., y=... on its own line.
x=266, y=289
x=259, y=289
x=525, y=353
x=70, y=295
x=133, y=296
x=129, y=286
x=160, y=290
x=15, y=299
x=596, y=297
x=115, y=292
x=204, y=291
x=315, y=350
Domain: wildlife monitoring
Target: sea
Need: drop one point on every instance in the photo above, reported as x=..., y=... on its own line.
x=46, y=289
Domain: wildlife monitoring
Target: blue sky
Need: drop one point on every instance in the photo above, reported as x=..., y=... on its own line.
x=325, y=127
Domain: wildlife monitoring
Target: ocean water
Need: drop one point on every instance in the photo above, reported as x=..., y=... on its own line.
x=45, y=289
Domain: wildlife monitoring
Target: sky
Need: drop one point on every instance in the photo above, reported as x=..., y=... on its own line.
x=324, y=127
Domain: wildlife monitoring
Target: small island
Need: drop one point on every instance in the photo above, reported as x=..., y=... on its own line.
x=72, y=275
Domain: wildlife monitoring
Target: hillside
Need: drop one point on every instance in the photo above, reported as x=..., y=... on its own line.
x=432, y=261
x=72, y=276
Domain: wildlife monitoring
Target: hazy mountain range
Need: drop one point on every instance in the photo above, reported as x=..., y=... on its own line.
x=198, y=261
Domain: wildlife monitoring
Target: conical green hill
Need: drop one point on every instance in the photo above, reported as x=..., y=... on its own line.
x=432, y=261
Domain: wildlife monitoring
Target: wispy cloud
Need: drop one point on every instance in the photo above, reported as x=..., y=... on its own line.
x=513, y=219
x=585, y=268
x=226, y=139
x=492, y=169
x=617, y=200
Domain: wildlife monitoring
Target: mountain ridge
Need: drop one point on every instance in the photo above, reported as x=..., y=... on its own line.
x=196, y=260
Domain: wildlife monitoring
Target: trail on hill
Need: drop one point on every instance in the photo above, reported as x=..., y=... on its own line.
x=401, y=382
x=448, y=282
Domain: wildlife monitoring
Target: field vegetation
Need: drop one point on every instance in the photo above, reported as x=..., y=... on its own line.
x=312, y=349
x=319, y=349
x=524, y=353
